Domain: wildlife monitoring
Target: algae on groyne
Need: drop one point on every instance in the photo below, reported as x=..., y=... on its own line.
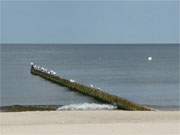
x=121, y=103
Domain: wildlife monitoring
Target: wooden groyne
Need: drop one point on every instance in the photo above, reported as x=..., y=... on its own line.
x=96, y=93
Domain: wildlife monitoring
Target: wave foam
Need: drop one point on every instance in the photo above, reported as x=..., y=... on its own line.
x=87, y=106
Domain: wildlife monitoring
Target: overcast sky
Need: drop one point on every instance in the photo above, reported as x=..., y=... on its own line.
x=90, y=22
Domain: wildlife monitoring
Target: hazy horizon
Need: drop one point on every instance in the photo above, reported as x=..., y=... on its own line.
x=178, y=43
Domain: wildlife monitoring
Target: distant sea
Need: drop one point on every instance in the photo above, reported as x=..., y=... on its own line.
x=122, y=70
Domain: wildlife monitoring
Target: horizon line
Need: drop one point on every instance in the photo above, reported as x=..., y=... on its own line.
x=87, y=43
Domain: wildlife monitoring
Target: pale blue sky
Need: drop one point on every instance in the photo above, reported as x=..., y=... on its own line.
x=90, y=22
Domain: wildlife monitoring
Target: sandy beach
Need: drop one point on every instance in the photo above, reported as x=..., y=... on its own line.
x=90, y=123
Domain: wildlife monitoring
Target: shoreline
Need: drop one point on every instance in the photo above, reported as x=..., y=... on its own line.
x=91, y=122
x=24, y=108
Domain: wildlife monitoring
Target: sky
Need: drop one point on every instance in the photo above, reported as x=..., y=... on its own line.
x=90, y=22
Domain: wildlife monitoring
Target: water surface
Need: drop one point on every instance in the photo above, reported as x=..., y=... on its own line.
x=122, y=70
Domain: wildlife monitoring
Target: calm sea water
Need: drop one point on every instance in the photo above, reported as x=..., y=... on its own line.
x=122, y=70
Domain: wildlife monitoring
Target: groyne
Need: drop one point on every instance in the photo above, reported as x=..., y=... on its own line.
x=22, y=108
x=96, y=93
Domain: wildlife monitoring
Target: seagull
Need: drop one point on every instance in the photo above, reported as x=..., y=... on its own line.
x=52, y=72
x=72, y=80
x=38, y=67
x=42, y=68
x=32, y=63
x=35, y=66
x=49, y=72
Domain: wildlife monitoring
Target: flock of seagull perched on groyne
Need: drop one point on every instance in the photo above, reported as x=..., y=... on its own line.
x=51, y=72
x=90, y=90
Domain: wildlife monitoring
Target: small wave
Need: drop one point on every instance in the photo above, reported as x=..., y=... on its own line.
x=87, y=106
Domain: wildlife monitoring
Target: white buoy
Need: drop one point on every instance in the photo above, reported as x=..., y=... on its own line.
x=149, y=58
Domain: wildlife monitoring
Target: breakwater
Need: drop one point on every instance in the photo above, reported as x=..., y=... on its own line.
x=96, y=93
x=22, y=108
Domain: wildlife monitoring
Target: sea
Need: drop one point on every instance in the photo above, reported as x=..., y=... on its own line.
x=147, y=74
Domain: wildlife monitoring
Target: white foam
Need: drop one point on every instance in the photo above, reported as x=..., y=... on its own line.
x=87, y=106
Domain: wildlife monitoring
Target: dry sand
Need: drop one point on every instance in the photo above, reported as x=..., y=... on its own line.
x=90, y=123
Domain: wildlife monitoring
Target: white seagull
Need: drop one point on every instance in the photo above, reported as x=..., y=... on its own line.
x=32, y=63
x=52, y=72
x=71, y=80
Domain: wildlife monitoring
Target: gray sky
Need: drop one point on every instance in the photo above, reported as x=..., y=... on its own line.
x=90, y=22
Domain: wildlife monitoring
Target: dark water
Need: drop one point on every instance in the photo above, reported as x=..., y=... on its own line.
x=122, y=70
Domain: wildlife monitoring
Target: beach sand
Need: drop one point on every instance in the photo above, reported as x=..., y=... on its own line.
x=90, y=123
